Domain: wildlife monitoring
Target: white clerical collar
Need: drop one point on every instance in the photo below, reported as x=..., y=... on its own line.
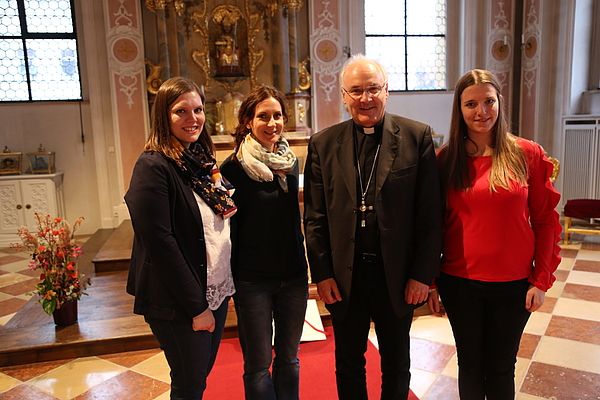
x=369, y=131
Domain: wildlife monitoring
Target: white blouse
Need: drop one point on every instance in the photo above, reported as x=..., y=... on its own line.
x=219, y=280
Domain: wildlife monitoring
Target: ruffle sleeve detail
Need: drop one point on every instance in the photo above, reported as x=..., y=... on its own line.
x=544, y=219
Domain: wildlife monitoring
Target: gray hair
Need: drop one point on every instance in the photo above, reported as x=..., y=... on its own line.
x=357, y=57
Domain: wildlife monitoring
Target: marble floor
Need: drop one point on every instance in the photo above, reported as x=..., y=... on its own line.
x=559, y=356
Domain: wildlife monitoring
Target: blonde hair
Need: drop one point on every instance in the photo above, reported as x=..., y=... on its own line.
x=161, y=139
x=508, y=158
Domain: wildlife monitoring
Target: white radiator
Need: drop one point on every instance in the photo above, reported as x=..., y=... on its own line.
x=580, y=163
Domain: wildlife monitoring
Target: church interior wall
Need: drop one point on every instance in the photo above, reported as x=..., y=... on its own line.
x=93, y=170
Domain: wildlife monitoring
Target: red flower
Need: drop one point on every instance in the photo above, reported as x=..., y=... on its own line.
x=53, y=251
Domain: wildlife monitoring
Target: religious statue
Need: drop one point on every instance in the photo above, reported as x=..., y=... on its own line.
x=227, y=49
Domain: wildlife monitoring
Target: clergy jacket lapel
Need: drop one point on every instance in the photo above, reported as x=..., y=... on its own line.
x=345, y=158
x=389, y=146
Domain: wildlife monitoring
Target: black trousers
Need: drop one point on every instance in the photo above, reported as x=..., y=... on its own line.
x=190, y=354
x=369, y=301
x=487, y=320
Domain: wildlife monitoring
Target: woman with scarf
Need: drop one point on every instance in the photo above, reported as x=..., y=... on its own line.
x=180, y=271
x=269, y=264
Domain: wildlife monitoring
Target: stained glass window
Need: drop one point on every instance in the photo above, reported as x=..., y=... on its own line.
x=38, y=51
x=409, y=38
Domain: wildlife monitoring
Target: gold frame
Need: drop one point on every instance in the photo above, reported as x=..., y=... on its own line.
x=10, y=163
x=202, y=56
x=42, y=162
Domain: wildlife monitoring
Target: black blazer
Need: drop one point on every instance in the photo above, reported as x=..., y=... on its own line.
x=407, y=204
x=167, y=274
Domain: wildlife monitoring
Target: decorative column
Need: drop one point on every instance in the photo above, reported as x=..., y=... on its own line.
x=159, y=8
x=293, y=6
x=299, y=100
x=530, y=70
x=500, y=41
x=125, y=44
x=327, y=58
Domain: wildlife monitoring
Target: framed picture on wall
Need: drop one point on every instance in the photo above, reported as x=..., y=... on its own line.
x=10, y=163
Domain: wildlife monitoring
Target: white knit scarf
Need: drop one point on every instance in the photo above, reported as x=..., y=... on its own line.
x=260, y=164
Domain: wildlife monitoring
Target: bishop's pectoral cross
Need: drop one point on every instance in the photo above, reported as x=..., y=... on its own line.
x=363, y=209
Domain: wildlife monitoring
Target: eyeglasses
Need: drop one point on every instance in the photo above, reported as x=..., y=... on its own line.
x=373, y=91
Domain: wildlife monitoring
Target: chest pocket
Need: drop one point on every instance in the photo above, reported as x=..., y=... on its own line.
x=403, y=171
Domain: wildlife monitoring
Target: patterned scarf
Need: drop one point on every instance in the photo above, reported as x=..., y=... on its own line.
x=202, y=174
x=260, y=164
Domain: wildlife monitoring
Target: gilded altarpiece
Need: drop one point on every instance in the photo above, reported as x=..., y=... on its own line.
x=227, y=47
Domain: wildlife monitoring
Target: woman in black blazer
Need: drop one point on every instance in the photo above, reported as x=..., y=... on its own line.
x=180, y=271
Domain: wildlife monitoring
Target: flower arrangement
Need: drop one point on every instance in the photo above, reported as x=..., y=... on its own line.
x=54, y=252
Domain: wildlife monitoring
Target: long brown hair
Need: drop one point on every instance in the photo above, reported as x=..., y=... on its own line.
x=160, y=139
x=508, y=159
x=248, y=109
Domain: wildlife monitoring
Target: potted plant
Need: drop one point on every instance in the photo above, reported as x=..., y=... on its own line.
x=54, y=253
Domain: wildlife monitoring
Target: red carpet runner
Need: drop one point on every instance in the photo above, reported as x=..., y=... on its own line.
x=317, y=372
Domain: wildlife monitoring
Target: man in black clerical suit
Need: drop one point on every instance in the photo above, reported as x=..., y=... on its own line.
x=373, y=228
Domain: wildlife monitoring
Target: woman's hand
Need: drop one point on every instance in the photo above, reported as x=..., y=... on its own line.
x=204, y=321
x=433, y=302
x=535, y=298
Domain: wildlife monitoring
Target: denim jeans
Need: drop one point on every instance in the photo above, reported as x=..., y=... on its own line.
x=487, y=320
x=259, y=306
x=190, y=354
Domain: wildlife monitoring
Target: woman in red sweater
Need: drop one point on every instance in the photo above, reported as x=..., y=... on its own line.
x=501, y=234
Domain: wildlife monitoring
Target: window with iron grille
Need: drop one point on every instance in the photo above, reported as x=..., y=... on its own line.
x=409, y=38
x=38, y=51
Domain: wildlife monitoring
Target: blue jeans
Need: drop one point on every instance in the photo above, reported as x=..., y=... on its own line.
x=487, y=320
x=190, y=354
x=258, y=305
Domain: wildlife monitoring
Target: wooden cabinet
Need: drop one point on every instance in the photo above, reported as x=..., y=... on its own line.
x=21, y=196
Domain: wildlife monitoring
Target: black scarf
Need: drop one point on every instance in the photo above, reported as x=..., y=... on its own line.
x=200, y=170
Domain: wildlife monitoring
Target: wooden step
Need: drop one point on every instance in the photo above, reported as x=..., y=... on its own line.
x=106, y=323
x=116, y=252
x=104, y=315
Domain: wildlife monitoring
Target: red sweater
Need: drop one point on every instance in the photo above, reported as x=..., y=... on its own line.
x=508, y=234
